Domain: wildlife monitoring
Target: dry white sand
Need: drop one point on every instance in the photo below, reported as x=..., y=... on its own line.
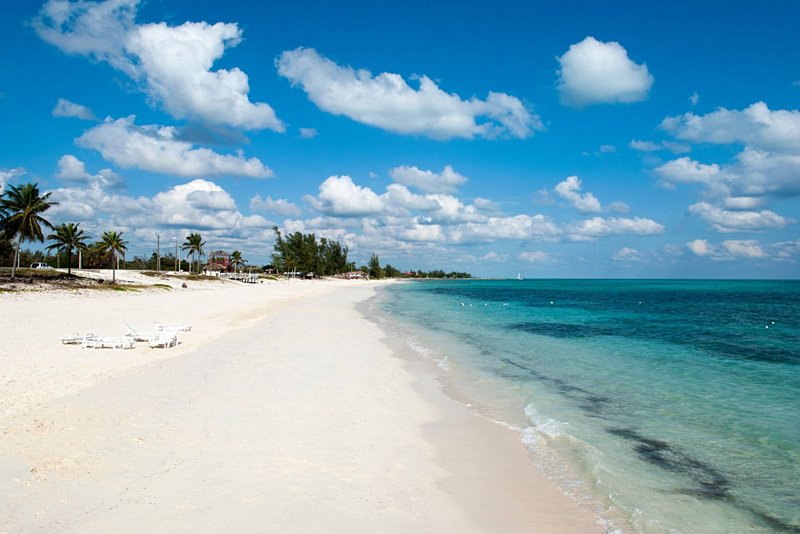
x=281, y=411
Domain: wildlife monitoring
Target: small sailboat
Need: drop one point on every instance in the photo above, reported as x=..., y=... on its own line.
x=519, y=276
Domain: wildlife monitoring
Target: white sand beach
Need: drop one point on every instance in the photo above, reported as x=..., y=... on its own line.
x=282, y=410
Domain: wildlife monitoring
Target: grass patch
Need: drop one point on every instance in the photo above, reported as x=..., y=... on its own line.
x=123, y=288
x=198, y=277
x=163, y=286
x=40, y=275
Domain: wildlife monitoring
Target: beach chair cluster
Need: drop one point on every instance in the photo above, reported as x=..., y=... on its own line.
x=161, y=336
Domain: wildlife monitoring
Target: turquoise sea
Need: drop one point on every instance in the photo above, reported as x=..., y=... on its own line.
x=666, y=406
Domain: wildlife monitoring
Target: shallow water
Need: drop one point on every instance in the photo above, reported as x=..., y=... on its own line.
x=674, y=403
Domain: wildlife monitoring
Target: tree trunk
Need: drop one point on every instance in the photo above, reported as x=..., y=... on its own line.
x=16, y=258
x=69, y=261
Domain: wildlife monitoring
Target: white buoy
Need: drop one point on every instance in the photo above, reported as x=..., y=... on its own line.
x=551, y=302
x=773, y=322
x=766, y=326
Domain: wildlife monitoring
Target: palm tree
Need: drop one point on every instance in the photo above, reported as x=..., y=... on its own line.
x=194, y=244
x=110, y=245
x=20, y=208
x=236, y=260
x=67, y=236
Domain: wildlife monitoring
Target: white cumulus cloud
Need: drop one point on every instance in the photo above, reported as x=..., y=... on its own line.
x=755, y=126
x=8, y=174
x=388, y=102
x=599, y=226
x=700, y=247
x=734, y=221
x=280, y=206
x=339, y=196
x=446, y=181
x=157, y=149
x=570, y=190
x=738, y=249
x=65, y=108
x=172, y=64
x=72, y=169
x=747, y=248
x=594, y=72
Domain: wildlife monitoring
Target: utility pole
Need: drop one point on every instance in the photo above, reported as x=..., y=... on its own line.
x=158, y=253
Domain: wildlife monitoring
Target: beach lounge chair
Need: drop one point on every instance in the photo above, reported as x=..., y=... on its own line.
x=165, y=340
x=173, y=327
x=75, y=338
x=139, y=335
x=108, y=343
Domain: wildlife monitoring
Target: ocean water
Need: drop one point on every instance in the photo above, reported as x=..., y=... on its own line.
x=665, y=406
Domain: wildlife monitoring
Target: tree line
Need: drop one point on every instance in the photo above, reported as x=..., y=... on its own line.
x=374, y=269
x=302, y=253
x=21, y=220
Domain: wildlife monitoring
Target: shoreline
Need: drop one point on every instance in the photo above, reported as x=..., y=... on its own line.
x=496, y=472
x=330, y=432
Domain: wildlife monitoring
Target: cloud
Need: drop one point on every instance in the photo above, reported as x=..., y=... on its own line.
x=536, y=256
x=494, y=257
x=156, y=148
x=607, y=149
x=570, y=189
x=627, y=254
x=594, y=72
x=694, y=99
x=172, y=64
x=765, y=169
x=599, y=226
x=388, y=102
x=65, y=108
x=8, y=174
x=280, y=206
x=619, y=207
x=339, y=196
x=93, y=29
x=308, y=133
x=738, y=249
x=446, y=181
x=744, y=248
x=72, y=169
x=511, y=227
x=755, y=126
x=700, y=247
x=198, y=205
x=734, y=221
x=650, y=146
x=686, y=170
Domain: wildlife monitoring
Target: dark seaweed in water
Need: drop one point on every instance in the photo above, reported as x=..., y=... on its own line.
x=734, y=346
x=712, y=483
x=589, y=402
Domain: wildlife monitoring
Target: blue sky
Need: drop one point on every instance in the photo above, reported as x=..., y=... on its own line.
x=574, y=140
